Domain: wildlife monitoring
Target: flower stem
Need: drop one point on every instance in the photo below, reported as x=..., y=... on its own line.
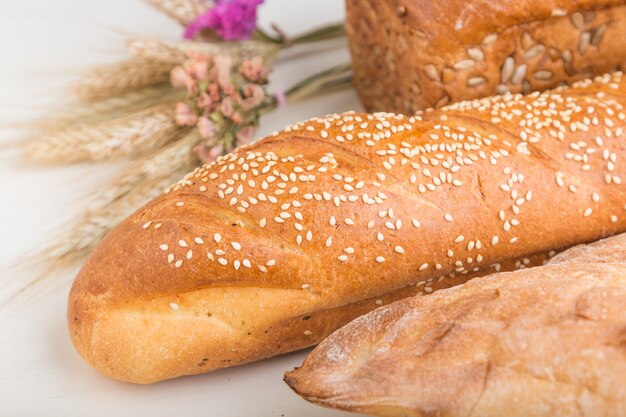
x=333, y=79
x=322, y=33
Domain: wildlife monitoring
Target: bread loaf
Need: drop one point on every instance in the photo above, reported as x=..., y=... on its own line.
x=545, y=342
x=273, y=247
x=414, y=54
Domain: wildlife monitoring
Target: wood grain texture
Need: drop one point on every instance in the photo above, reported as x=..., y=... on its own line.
x=547, y=341
x=414, y=54
x=273, y=247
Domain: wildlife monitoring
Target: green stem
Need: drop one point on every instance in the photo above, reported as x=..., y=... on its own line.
x=322, y=33
x=333, y=79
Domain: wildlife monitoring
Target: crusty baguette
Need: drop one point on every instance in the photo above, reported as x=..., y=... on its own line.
x=275, y=246
x=414, y=54
x=545, y=342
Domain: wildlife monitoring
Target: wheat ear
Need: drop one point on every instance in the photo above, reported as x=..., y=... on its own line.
x=176, y=52
x=130, y=135
x=128, y=192
x=106, y=81
x=142, y=181
x=109, y=108
x=183, y=11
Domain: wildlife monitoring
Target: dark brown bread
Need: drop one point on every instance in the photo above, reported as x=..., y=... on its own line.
x=272, y=248
x=414, y=54
x=545, y=342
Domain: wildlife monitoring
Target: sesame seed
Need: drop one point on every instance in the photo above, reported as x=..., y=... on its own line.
x=174, y=306
x=587, y=212
x=164, y=247
x=182, y=243
x=198, y=240
x=178, y=263
x=236, y=245
x=495, y=240
x=271, y=262
x=189, y=254
x=459, y=239
x=170, y=257
x=307, y=333
x=399, y=249
x=415, y=222
x=380, y=259
x=146, y=225
x=305, y=286
x=217, y=237
x=423, y=267
x=222, y=261
x=180, y=204
x=379, y=302
x=349, y=250
x=343, y=258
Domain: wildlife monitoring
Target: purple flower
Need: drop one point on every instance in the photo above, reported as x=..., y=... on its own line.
x=228, y=19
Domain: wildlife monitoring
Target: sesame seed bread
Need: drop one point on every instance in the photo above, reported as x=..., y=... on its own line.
x=415, y=54
x=273, y=247
x=548, y=341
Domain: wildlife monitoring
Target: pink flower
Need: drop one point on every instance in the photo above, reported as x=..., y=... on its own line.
x=185, y=115
x=204, y=101
x=237, y=118
x=223, y=66
x=208, y=153
x=228, y=20
x=281, y=97
x=244, y=135
x=206, y=127
x=227, y=108
x=253, y=69
x=254, y=95
x=179, y=77
x=200, y=69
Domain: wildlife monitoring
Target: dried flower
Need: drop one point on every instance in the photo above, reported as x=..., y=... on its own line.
x=206, y=127
x=185, y=115
x=223, y=101
x=228, y=20
x=253, y=69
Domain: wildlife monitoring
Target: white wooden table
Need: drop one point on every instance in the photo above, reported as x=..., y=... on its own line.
x=43, y=45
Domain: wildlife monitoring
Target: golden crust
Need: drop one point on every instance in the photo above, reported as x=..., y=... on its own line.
x=546, y=341
x=324, y=218
x=411, y=55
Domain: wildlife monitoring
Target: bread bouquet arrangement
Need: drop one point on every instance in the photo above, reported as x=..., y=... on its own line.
x=440, y=235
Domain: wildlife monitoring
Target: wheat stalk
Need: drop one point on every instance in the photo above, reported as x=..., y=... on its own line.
x=176, y=52
x=138, y=184
x=109, y=108
x=183, y=11
x=109, y=80
x=129, y=135
x=84, y=235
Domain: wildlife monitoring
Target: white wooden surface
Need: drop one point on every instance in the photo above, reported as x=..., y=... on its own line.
x=43, y=45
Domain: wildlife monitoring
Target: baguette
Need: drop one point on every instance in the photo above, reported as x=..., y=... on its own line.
x=545, y=342
x=414, y=54
x=273, y=247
